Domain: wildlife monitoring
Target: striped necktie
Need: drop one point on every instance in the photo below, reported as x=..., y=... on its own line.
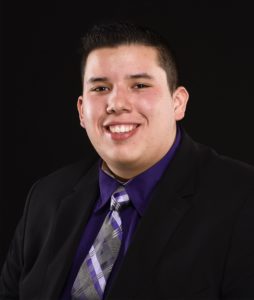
x=92, y=277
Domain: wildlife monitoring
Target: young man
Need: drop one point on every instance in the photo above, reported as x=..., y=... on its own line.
x=158, y=216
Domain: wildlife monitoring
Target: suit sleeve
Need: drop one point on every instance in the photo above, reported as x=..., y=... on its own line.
x=239, y=270
x=12, y=268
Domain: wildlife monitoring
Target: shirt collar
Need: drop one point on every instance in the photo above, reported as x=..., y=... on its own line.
x=139, y=187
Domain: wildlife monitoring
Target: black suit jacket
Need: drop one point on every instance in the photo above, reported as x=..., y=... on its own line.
x=195, y=240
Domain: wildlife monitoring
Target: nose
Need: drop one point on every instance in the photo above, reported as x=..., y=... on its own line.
x=118, y=101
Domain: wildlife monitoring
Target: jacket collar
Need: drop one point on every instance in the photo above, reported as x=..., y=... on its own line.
x=71, y=217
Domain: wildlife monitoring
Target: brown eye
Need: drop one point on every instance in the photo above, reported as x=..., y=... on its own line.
x=140, y=86
x=100, y=89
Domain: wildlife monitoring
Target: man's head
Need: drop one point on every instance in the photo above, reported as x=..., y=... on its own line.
x=127, y=108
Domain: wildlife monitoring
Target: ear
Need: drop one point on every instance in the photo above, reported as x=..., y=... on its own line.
x=80, y=108
x=180, y=99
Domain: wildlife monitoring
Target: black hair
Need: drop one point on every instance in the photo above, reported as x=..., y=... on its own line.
x=125, y=33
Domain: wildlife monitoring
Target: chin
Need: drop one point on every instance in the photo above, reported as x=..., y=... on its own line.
x=122, y=161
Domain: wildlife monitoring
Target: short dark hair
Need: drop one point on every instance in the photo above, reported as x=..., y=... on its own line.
x=126, y=33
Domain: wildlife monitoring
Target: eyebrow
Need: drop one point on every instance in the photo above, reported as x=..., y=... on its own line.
x=140, y=75
x=97, y=79
x=133, y=76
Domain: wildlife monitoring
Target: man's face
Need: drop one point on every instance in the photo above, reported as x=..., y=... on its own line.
x=127, y=108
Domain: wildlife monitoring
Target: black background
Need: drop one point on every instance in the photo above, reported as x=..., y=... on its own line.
x=40, y=82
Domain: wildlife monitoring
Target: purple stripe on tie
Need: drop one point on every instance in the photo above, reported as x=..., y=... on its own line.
x=115, y=226
x=94, y=277
x=119, y=194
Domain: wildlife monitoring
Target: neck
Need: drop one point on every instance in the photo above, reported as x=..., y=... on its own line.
x=108, y=170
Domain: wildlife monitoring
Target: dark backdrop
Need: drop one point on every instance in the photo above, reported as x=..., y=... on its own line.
x=40, y=82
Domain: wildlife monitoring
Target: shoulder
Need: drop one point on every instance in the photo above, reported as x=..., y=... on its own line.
x=221, y=169
x=63, y=180
x=47, y=194
x=214, y=167
x=226, y=166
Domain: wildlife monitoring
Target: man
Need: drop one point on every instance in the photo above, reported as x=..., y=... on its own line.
x=158, y=216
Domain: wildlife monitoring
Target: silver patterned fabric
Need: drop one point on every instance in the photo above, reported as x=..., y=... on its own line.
x=92, y=277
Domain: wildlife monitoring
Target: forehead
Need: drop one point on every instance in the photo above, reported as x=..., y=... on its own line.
x=124, y=58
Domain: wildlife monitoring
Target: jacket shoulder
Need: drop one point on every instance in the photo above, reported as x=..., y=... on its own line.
x=63, y=180
x=223, y=168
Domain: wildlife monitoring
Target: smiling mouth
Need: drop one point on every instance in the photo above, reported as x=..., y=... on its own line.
x=121, y=128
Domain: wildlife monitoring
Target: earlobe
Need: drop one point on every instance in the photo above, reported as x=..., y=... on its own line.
x=180, y=98
x=80, y=111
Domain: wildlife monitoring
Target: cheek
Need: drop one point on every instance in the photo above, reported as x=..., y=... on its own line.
x=154, y=104
x=92, y=110
x=147, y=101
x=88, y=112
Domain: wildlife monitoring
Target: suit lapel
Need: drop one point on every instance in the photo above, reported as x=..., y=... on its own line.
x=71, y=217
x=169, y=204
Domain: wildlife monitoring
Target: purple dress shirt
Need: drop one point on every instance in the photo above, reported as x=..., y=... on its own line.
x=139, y=188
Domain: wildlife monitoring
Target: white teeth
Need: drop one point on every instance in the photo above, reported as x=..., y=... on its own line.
x=121, y=128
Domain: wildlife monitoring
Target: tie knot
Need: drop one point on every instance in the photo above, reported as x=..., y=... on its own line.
x=119, y=199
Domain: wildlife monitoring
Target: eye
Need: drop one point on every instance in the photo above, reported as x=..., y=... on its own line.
x=140, y=86
x=100, y=89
